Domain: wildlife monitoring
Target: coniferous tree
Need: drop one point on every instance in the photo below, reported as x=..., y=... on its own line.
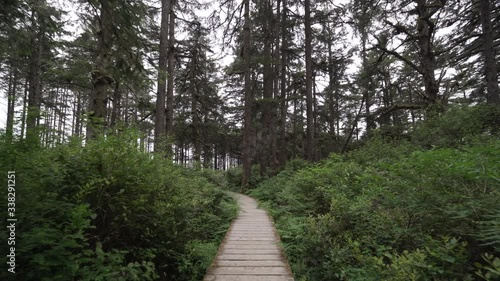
x=490, y=65
x=247, y=125
x=162, y=77
x=309, y=149
x=170, y=70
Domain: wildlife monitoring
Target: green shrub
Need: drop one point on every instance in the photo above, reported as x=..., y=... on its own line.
x=390, y=214
x=234, y=178
x=216, y=177
x=107, y=211
x=197, y=259
x=491, y=270
x=458, y=126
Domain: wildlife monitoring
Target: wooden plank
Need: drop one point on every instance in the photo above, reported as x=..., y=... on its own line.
x=250, y=270
x=246, y=278
x=250, y=251
x=263, y=242
x=251, y=263
x=239, y=251
x=236, y=257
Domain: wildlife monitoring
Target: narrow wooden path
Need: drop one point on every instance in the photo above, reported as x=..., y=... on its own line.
x=250, y=249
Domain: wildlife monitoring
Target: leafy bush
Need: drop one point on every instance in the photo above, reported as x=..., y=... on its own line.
x=215, y=177
x=392, y=213
x=458, y=126
x=107, y=211
x=197, y=259
x=234, y=178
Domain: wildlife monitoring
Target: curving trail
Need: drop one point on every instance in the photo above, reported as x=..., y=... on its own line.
x=250, y=249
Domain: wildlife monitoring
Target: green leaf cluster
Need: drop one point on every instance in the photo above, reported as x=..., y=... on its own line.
x=391, y=211
x=107, y=211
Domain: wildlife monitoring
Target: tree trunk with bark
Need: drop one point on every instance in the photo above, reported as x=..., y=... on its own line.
x=11, y=103
x=101, y=79
x=490, y=67
x=331, y=97
x=34, y=77
x=160, y=117
x=276, y=28
x=309, y=83
x=283, y=104
x=266, y=148
x=115, y=113
x=195, y=118
x=425, y=31
x=247, y=123
x=170, y=76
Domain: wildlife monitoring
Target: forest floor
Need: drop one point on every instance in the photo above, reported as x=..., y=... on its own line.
x=250, y=250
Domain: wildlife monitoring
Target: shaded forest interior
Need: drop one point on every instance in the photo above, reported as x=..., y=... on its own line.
x=126, y=120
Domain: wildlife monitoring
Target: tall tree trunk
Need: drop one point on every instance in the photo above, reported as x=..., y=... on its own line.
x=11, y=103
x=170, y=70
x=315, y=114
x=78, y=113
x=115, y=113
x=224, y=162
x=160, y=117
x=354, y=126
x=295, y=132
x=267, y=151
x=180, y=160
x=25, y=105
x=51, y=130
x=385, y=119
x=126, y=106
x=412, y=113
x=207, y=155
x=275, y=135
x=337, y=111
x=101, y=79
x=195, y=126
x=73, y=119
x=309, y=83
x=367, y=89
x=34, y=77
x=425, y=28
x=44, y=132
x=330, y=98
x=247, y=123
x=490, y=67
x=62, y=117
x=283, y=107
x=216, y=157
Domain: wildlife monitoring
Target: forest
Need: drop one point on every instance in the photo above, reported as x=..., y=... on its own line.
x=369, y=131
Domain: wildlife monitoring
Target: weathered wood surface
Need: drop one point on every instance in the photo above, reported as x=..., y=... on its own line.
x=250, y=250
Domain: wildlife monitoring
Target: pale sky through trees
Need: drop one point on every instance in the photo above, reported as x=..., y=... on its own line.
x=74, y=27
x=346, y=44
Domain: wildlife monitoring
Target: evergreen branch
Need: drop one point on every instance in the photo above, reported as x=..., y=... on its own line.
x=399, y=56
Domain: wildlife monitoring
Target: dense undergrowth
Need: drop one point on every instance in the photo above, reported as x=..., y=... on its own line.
x=422, y=207
x=107, y=211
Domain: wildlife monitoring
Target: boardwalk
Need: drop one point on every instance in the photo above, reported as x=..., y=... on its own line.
x=250, y=251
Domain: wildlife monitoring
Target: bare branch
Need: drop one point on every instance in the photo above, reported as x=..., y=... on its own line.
x=401, y=29
x=382, y=111
x=399, y=56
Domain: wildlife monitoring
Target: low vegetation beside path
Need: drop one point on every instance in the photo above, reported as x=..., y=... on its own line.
x=393, y=210
x=108, y=211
